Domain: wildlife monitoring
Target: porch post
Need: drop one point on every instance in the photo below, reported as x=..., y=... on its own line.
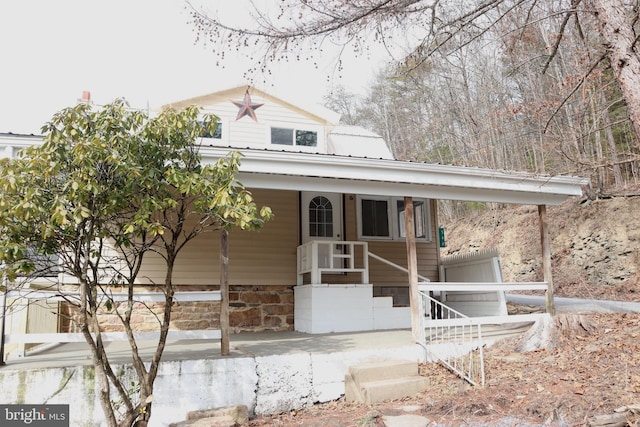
x=417, y=325
x=546, y=258
x=3, y=313
x=224, y=293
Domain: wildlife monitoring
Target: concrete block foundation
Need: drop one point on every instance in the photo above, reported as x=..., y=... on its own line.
x=265, y=384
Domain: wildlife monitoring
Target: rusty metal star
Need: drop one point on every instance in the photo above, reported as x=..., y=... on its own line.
x=247, y=108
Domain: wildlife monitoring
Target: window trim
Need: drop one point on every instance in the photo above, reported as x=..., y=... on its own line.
x=393, y=218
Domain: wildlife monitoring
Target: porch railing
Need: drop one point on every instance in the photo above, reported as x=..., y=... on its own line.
x=319, y=257
x=23, y=299
x=455, y=339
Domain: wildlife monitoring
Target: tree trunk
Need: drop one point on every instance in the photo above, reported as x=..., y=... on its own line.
x=615, y=21
x=617, y=173
x=547, y=331
x=88, y=318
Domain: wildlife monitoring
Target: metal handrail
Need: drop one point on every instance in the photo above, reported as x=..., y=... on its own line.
x=459, y=346
x=394, y=265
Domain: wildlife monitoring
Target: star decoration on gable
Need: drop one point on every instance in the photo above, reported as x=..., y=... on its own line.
x=246, y=107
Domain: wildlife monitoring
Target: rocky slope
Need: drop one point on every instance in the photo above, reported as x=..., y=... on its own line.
x=595, y=245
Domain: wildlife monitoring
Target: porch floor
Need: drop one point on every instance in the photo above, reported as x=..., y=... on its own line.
x=241, y=345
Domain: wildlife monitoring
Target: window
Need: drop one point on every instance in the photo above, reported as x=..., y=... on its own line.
x=376, y=214
x=44, y=265
x=320, y=217
x=217, y=134
x=419, y=216
x=303, y=138
x=306, y=138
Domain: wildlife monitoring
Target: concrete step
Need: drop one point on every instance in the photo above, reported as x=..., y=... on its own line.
x=378, y=381
x=384, y=370
x=379, y=391
x=227, y=416
x=222, y=421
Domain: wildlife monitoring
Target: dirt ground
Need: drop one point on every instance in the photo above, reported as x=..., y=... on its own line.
x=588, y=373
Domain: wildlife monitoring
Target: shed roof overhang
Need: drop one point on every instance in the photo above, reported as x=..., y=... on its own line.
x=381, y=177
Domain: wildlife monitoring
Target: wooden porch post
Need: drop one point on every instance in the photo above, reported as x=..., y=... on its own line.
x=546, y=258
x=417, y=325
x=3, y=319
x=224, y=293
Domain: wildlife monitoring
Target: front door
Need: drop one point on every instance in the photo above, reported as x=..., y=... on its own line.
x=321, y=215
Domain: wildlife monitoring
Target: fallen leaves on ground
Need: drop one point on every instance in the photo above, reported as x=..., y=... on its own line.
x=583, y=376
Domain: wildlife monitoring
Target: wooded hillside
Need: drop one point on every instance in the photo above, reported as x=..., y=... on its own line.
x=595, y=245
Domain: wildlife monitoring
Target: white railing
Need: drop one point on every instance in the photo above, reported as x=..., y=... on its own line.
x=22, y=299
x=456, y=344
x=455, y=339
x=319, y=257
x=431, y=287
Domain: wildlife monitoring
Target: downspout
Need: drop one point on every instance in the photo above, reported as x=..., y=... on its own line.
x=546, y=258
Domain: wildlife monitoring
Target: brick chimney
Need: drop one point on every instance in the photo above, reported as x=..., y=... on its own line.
x=86, y=97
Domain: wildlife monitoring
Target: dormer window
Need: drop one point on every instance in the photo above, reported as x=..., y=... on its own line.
x=294, y=137
x=217, y=134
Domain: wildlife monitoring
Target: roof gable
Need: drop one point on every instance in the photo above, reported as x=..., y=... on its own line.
x=248, y=117
x=225, y=96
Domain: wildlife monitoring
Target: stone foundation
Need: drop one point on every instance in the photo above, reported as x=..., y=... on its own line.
x=260, y=308
x=251, y=309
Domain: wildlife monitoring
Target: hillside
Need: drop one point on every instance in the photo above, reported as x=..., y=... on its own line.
x=594, y=245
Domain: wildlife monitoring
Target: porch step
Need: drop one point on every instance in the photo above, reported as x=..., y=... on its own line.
x=227, y=416
x=375, y=382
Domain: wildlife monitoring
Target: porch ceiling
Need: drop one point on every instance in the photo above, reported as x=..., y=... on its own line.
x=359, y=175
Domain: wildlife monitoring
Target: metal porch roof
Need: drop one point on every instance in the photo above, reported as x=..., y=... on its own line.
x=286, y=170
x=295, y=171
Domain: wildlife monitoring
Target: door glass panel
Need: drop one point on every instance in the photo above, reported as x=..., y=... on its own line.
x=320, y=217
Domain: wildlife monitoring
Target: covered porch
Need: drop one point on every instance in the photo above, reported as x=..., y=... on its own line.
x=335, y=278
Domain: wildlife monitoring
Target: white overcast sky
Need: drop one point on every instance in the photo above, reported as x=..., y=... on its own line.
x=142, y=50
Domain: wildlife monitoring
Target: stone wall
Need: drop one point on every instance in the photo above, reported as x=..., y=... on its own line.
x=251, y=309
x=260, y=308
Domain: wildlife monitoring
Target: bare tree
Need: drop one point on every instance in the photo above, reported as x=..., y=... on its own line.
x=302, y=28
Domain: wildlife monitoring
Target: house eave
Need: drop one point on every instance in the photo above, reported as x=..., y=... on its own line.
x=360, y=175
x=286, y=170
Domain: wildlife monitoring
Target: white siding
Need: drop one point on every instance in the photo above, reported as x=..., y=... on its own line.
x=247, y=133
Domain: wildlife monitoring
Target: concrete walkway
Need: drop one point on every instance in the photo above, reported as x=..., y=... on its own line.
x=575, y=305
